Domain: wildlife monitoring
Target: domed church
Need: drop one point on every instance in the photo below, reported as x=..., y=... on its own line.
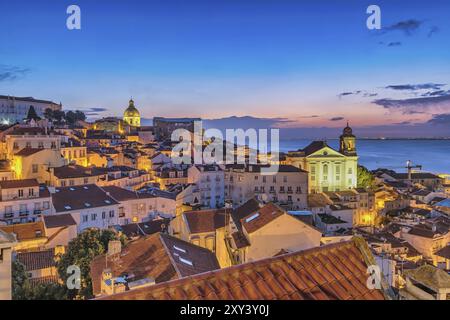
x=131, y=116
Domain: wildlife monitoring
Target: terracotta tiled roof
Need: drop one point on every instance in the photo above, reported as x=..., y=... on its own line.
x=43, y=280
x=120, y=194
x=25, y=152
x=262, y=217
x=36, y=260
x=444, y=252
x=240, y=240
x=318, y=200
x=76, y=171
x=332, y=272
x=158, y=257
x=244, y=210
x=205, y=220
x=144, y=228
x=59, y=220
x=24, y=183
x=80, y=197
x=26, y=231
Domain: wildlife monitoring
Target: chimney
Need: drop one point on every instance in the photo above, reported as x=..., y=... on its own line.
x=114, y=247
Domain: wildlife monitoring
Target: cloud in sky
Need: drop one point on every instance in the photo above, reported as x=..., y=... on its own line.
x=420, y=86
x=11, y=73
x=408, y=27
x=394, y=44
x=440, y=119
x=337, y=119
x=416, y=105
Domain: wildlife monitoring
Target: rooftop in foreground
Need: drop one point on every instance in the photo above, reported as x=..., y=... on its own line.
x=332, y=272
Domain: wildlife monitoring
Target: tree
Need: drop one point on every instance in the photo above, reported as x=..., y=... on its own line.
x=85, y=247
x=365, y=178
x=32, y=114
x=72, y=117
x=23, y=289
x=48, y=114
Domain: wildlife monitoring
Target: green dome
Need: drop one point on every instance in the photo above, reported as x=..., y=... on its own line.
x=131, y=111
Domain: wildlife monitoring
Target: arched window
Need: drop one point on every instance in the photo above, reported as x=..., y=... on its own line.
x=325, y=169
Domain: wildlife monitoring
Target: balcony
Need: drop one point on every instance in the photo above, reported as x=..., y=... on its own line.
x=37, y=211
x=23, y=213
x=9, y=215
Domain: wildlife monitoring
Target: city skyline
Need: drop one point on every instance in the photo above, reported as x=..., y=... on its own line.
x=271, y=65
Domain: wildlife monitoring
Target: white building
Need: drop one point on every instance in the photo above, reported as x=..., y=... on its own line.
x=210, y=182
x=288, y=187
x=136, y=207
x=89, y=205
x=15, y=109
x=23, y=201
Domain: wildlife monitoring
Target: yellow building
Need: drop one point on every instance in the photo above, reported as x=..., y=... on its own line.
x=329, y=169
x=131, y=116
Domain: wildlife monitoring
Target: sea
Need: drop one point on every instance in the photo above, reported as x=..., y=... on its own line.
x=433, y=155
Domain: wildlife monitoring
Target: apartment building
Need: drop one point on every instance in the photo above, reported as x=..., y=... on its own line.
x=89, y=205
x=75, y=175
x=136, y=207
x=23, y=201
x=210, y=183
x=288, y=187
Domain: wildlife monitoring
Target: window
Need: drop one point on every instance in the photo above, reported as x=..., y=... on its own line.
x=20, y=193
x=264, y=179
x=85, y=218
x=290, y=198
x=350, y=171
x=15, y=145
x=71, y=182
x=103, y=215
x=299, y=190
x=256, y=177
x=93, y=216
x=63, y=183
x=53, y=146
x=86, y=181
x=23, y=208
x=111, y=214
x=28, y=145
x=8, y=209
x=34, y=168
x=31, y=192
x=46, y=204
x=41, y=145
x=285, y=179
x=37, y=206
x=274, y=179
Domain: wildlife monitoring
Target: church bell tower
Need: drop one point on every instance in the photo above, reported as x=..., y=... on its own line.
x=347, y=142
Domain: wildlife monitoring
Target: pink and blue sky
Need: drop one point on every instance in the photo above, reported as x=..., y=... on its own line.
x=303, y=65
